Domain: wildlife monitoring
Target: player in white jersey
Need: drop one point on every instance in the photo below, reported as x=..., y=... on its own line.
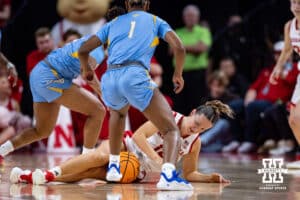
x=291, y=42
x=147, y=144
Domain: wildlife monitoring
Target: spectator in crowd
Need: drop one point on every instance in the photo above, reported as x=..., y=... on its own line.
x=136, y=118
x=197, y=41
x=11, y=120
x=260, y=96
x=5, y=12
x=237, y=83
x=213, y=139
x=276, y=133
x=45, y=45
x=233, y=41
x=69, y=36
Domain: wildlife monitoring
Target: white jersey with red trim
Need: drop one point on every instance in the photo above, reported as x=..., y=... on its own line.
x=156, y=141
x=295, y=35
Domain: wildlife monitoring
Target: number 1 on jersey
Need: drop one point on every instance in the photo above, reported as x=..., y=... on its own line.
x=132, y=27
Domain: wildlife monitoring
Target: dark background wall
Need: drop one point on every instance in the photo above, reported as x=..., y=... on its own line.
x=263, y=18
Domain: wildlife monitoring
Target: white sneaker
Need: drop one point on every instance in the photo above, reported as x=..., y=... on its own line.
x=293, y=165
x=231, y=147
x=174, y=195
x=15, y=175
x=38, y=177
x=173, y=183
x=113, y=174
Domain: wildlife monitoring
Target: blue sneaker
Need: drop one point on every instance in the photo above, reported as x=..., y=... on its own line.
x=113, y=174
x=173, y=183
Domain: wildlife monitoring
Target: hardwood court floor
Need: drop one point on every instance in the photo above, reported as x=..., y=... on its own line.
x=241, y=170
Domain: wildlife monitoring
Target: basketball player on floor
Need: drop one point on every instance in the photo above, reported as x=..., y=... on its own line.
x=146, y=143
x=51, y=86
x=291, y=42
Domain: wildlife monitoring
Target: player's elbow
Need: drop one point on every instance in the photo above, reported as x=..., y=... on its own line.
x=179, y=49
x=83, y=51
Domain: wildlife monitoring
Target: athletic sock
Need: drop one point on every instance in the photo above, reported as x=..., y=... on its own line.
x=114, y=159
x=167, y=169
x=6, y=148
x=86, y=150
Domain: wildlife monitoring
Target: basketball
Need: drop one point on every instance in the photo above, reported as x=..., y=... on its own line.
x=129, y=167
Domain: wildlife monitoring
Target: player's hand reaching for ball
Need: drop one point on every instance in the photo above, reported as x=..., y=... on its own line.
x=276, y=74
x=178, y=83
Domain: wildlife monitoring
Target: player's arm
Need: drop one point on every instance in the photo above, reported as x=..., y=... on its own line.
x=83, y=53
x=10, y=67
x=190, y=166
x=179, y=53
x=284, y=56
x=140, y=138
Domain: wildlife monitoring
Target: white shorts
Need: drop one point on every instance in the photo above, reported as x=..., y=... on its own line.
x=296, y=94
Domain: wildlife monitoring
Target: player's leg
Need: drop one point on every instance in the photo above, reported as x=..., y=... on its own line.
x=165, y=122
x=294, y=121
x=96, y=173
x=46, y=116
x=80, y=100
x=116, y=130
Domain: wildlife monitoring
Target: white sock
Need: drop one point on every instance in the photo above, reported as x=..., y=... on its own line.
x=56, y=171
x=167, y=169
x=6, y=148
x=86, y=150
x=114, y=159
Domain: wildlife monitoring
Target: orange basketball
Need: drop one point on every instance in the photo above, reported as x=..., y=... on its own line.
x=129, y=167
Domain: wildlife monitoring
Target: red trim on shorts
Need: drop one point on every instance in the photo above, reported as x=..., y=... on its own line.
x=191, y=147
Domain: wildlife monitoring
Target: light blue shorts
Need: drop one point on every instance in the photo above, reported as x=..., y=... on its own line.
x=46, y=84
x=127, y=85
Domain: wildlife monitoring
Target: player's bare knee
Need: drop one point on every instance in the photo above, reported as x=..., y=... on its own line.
x=98, y=110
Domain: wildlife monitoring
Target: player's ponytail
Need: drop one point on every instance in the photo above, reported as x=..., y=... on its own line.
x=115, y=12
x=214, y=109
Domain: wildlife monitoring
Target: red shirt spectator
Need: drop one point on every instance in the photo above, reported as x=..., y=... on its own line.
x=45, y=45
x=281, y=91
x=34, y=58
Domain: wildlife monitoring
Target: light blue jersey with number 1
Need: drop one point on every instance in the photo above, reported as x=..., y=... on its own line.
x=133, y=37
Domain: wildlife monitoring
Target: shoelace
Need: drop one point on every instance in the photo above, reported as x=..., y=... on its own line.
x=175, y=177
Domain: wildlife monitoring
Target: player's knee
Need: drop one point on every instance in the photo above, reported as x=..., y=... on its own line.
x=170, y=129
x=97, y=110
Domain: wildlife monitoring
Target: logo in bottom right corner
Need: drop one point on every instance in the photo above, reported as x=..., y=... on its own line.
x=273, y=174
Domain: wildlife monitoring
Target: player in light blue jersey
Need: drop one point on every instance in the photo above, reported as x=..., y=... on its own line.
x=132, y=39
x=51, y=86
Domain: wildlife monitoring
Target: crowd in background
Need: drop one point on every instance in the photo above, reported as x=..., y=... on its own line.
x=211, y=72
